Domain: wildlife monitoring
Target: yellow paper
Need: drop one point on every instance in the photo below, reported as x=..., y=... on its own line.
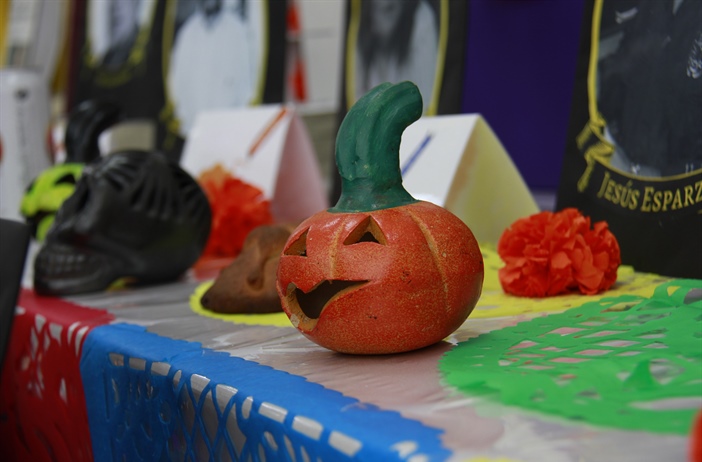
x=268, y=319
x=494, y=302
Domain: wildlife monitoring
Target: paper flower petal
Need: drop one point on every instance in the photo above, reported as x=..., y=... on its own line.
x=550, y=253
x=237, y=208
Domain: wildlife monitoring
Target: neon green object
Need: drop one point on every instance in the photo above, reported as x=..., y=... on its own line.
x=368, y=148
x=628, y=362
x=46, y=194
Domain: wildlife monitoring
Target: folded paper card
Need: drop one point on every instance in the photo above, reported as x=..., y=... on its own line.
x=265, y=146
x=457, y=162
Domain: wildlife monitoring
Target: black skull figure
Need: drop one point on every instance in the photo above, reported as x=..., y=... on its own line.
x=135, y=217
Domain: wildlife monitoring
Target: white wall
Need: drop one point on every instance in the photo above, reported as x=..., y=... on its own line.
x=321, y=45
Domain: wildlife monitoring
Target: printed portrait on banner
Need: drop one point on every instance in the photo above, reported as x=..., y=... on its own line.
x=647, y=87
x=392, y=41
x=423, y=41
x=117, y=34
x=217, y=57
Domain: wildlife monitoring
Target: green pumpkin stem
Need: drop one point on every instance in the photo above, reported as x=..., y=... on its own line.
x=368, y=148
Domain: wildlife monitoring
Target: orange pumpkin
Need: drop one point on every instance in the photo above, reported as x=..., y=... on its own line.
x=381, y=272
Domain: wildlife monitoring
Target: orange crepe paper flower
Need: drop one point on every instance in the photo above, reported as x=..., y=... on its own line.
x=553, y=253
x=237, y=208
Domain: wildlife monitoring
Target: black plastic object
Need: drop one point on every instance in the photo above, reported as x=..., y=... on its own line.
x=48, y=190
x=85, y=124
x=134, y=218
x=14, y=241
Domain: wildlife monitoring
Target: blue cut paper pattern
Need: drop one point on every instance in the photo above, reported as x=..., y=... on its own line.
x=153, y=398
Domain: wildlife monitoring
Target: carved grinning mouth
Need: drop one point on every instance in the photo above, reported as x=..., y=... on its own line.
x=313, y=302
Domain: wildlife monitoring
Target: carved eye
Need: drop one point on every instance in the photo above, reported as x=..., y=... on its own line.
x=299, y=246
x=366, y=231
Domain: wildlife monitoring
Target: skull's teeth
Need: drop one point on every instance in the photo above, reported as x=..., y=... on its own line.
x=67, y=264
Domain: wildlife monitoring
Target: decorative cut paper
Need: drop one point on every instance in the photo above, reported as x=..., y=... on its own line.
x=629, y=362
x=150, y=398
x=42, y=400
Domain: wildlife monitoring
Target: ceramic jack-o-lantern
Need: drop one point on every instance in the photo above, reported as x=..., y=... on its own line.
x=380, y=272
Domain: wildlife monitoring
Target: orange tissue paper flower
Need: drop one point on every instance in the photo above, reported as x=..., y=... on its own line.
x=553, y=253
x=237, y=208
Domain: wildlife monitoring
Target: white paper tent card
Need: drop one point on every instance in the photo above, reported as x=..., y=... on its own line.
x=266, y=146
x=457, y=162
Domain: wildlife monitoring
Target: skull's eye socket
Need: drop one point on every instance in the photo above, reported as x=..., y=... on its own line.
x=66, y=179
x=82, y=195
x=299, y=246
x=366, y=231
x=120, y=173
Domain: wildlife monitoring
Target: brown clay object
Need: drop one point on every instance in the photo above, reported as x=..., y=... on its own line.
x=247, y=285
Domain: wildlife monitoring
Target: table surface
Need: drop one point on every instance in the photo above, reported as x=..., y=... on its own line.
x=224, y=387
x=419, y=416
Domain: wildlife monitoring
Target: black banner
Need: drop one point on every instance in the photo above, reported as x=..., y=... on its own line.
x=634, y=152
x=167, y=60
x=422, y=41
